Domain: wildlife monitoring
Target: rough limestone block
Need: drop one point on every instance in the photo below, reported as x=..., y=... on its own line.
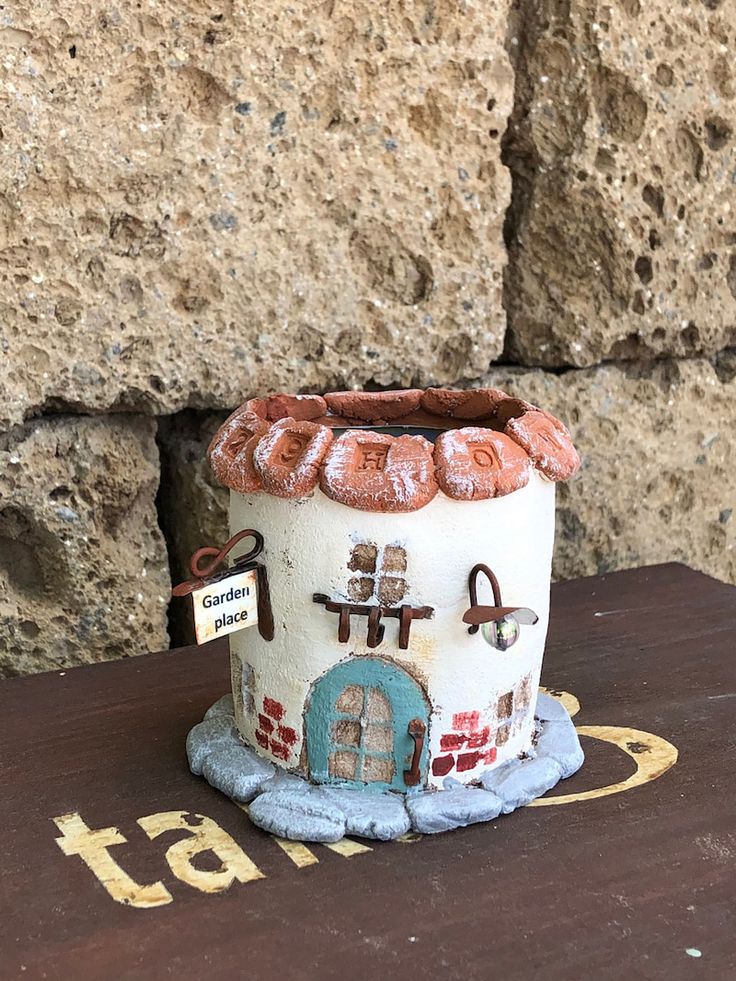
x=622, y=144
x=298, y=816
x=518, y=785
x=270, y=196
x=193, y=505
x=369, y=815
x=215, y=734
x=658, y=446
x=83, y=565
x=237, y=771
x=443, y=810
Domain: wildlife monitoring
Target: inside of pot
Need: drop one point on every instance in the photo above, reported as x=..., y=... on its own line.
x=429, y=433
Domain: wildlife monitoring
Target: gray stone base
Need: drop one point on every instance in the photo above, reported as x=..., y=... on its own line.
x=286, y=805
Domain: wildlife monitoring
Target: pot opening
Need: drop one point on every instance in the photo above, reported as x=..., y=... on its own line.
x=429, y=433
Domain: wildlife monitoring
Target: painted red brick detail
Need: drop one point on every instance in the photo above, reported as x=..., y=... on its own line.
x=273, y=708
x=472, y=736
x=466, y=761
x=265, y=723
x=490, y=755
x=441, y=765
x=287, y=735
x=262, y=739
x=467, y=721
x=479, y=739
x=451, y=741
x=278, y=749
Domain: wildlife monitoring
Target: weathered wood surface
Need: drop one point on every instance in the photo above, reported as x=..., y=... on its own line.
x=617, y=886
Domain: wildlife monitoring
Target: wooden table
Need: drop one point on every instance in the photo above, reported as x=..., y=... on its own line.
x=640, y=883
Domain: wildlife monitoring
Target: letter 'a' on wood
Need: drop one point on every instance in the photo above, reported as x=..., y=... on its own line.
x=203, y=835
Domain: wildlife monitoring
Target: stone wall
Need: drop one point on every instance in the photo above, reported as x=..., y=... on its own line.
x=202, y=203
x=623, y=225
x=83, y=572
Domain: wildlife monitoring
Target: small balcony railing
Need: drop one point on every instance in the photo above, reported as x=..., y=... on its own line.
x=404, y=614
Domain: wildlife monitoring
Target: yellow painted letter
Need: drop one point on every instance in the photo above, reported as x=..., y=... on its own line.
x=205, y=836
x=92, y=848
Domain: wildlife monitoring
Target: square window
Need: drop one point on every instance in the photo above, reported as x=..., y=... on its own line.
x=363, y=558
x=391, y=590
x=394, y=559
x=360, y=590
x=502, y=736
x=382, y=568
x=505, y=705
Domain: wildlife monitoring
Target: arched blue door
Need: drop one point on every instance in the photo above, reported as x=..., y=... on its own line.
x=357, y=725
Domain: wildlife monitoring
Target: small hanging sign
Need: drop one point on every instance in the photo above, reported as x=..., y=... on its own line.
x=232, y=599
x=229, y=604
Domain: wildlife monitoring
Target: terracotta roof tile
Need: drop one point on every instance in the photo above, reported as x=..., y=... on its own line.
x=369, y=406
x=230, y=453
x=509, y=408
x=473, y=403
x=259, y=407
x=299, y=407
x=378, y=472
x=474, y=464
x=288, y=457
x=548, y=443
x=243, y=475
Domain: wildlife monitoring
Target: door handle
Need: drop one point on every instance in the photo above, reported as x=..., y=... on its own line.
x=417, y=729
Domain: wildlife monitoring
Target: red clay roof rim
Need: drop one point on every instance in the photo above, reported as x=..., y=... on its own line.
x=284, y=445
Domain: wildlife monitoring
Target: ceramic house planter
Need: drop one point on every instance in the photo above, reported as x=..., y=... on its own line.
x=408, y=543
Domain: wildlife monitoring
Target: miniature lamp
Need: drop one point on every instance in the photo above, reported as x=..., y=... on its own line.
x=499, y=624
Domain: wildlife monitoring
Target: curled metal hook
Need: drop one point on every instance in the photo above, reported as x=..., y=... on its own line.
x=221, y=553
x=477, y=614
x=473, y=589
x=202, y=573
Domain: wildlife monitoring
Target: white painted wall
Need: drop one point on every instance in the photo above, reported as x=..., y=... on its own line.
x=307, y=547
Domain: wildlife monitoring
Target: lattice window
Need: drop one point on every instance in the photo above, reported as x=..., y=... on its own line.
x=362, y=736
x=381, y=574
